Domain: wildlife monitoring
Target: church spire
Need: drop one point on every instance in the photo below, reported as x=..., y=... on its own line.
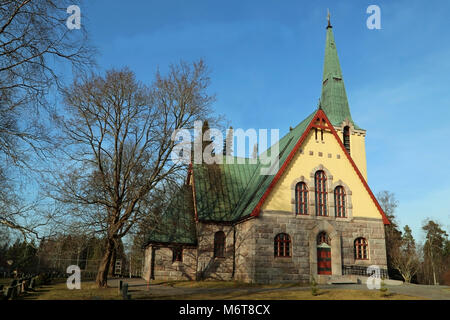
x=333, y=99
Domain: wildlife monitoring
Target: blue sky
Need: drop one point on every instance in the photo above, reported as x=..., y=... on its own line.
x=266, y=62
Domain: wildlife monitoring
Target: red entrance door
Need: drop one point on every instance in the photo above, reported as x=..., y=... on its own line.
x=324, y=261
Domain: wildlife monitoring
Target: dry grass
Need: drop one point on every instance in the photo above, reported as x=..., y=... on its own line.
x=231, y=290
x=59, y=291
x=328, y=294
x=211, y=284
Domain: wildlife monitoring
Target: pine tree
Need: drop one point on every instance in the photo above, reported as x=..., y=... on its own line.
x=434, y=248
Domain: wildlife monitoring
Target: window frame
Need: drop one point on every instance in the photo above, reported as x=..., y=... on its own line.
x=301, y=198
x=323, y=237
x=340, y=202
x=219, y=244
x=282, y=241
x=320, y=180
x=361, y=247
x=177, y=254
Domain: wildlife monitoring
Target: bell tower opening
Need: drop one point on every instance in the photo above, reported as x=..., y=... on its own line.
x=347, y=138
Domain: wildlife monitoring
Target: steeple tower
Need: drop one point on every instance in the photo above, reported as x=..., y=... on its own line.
x=334, y=98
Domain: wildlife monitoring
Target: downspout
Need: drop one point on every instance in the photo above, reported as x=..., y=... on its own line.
x=234, y=252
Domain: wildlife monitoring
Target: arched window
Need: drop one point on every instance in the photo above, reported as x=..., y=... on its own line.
x=339, y=201
x=301, y=198
x=323, y=238
x=177, y=254
x=282, y=245
x=347, y=138
x=219, y=244
x=361, y=249
x=321, y=193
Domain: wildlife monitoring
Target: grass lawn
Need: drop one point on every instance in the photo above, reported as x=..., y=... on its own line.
x=211, y=284
x=208, y=290
x=59, y=291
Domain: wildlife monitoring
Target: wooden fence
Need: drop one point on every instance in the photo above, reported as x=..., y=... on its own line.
x=18, y=287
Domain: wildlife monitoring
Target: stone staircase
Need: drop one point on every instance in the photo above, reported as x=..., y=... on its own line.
x=351, y=279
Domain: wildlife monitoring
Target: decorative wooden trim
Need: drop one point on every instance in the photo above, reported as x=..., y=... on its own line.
x=191, y=169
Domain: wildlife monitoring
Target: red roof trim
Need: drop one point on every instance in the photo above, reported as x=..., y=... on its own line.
x=191, y=172
x=322, y=117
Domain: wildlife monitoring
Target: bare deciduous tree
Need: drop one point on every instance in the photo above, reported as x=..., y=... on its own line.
x=117, y=143
x=35, y=46
x=393, y=236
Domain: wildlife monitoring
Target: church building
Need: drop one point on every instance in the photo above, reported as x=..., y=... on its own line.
x=315, y=217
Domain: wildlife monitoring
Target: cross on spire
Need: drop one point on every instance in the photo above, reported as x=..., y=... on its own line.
x=328, y=18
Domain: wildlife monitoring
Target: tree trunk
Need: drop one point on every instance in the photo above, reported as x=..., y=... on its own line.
x=102, y=274
x=113, y=262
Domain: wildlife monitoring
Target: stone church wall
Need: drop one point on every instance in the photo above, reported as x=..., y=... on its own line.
x=254, y=261
x=210, y=267
x=165, y=268
x=303, y=233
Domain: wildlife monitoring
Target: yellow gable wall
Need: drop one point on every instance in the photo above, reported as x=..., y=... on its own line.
x=303, y=164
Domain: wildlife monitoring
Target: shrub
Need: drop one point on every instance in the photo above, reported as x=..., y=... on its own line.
x=384, y=291
x=314, y=290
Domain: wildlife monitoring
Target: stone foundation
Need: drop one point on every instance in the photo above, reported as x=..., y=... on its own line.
x=249, y=250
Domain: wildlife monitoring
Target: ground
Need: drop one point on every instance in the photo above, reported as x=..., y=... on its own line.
x=218, y=290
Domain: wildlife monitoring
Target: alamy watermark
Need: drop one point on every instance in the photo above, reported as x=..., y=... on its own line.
x=374, y=20
x=374, y=279
x=74, y=20
x=74, y=280
x=189, y=149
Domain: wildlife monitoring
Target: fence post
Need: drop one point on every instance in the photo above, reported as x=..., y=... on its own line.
x=125, y=295
x=14, y=292
x=9, y=292
x=120, y=286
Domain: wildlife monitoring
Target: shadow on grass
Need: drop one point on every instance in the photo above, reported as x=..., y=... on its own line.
x=32, y=295
x=321, y=293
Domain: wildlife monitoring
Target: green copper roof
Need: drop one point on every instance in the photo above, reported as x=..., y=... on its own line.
x=224, y=192
x=334, y=100
x=219, y=188
x=177, y=225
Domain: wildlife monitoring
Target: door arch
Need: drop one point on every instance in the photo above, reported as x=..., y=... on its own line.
x=323, y=254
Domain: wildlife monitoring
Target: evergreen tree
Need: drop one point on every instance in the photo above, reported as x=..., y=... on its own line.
x=434, y=250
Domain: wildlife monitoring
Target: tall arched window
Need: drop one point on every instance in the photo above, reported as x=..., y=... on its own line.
x=339, y=201
x=301, y=198
x=219, y=244
x=361, y=249
x=282, y=245
x=321, y=193
x=347, y=138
